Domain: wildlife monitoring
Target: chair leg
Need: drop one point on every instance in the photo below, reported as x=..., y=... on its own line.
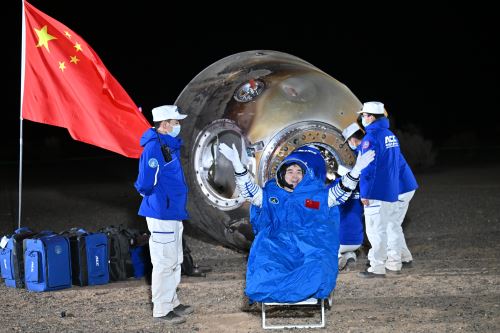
x=263, y=315
x=311, y=325
x=323, y=312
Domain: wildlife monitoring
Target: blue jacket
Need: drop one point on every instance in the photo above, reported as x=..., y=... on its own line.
x=407, y=181
x=294, y=255
x=162, y=184
x=351, y=219
x=380, y=179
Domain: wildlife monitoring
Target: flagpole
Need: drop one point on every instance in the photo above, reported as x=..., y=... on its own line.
x=23, y=58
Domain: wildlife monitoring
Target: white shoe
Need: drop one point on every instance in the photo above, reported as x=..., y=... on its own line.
x=347, y=260
x=342, y=263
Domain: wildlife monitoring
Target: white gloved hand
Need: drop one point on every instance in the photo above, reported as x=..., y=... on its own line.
x=362, y=162
x=232, y=155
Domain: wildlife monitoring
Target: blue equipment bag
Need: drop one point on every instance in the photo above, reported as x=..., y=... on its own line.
x=47, y=262
x=138, y=261
x=89, y=257
x=12, y=259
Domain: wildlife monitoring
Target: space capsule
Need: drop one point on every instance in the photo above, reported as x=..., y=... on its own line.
x=267, y=103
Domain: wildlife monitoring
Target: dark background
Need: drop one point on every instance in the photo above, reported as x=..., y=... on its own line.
x=435, y=68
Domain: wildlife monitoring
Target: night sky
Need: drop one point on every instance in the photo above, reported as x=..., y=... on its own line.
x=436, y=69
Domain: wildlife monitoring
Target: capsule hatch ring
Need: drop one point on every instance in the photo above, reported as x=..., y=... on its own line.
x=325, y=137
x=214, y=173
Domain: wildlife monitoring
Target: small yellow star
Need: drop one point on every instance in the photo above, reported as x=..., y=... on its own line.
x=62, y=66
x=74, y=60
x=78, y=47
x=67, y=34
x=44, y=37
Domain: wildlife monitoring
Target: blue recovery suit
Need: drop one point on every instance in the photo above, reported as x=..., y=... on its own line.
x=294, y=255
x=407, y=181
x=161, y=184
x=351, y=219
x=380, y=179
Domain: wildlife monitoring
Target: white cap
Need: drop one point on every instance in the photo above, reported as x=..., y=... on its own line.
x=373, y=108
x=350, y=130
x=342, y=170
x=165, y=112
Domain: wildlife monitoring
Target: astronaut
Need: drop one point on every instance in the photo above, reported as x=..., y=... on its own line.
x=295, y=220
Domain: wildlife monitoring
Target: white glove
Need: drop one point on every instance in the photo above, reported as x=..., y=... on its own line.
x=362, y=162
x=232, y=155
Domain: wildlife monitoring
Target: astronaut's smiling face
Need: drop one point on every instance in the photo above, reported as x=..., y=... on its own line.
x=294, y=175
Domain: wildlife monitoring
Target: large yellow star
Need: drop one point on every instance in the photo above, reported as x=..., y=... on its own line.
x=44, y=37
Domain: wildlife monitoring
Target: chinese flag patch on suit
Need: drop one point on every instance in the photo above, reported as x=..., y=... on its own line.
x=312, y=204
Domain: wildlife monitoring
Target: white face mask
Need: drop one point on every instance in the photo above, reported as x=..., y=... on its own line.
x=365, y=122
x=353, y=147
x=176, y=129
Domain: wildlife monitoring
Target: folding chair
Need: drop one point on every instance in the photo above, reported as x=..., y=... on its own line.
x=310, y=301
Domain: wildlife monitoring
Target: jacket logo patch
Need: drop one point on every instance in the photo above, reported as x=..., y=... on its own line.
x=366, y=144
x=153, y=163
x=274, y=200
x=391, y=141
x=312, y=204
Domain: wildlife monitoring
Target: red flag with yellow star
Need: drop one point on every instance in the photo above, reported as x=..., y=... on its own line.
x=67, y=85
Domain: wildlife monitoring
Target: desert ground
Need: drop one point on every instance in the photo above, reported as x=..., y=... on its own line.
x=452, y=228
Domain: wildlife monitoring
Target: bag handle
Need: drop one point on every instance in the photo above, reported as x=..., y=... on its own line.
x=22, y=229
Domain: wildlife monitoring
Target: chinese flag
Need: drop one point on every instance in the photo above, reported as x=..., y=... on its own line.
x=67, y=85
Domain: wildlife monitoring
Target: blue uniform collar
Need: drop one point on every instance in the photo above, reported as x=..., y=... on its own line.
x=173, y=143
x=378, y=124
